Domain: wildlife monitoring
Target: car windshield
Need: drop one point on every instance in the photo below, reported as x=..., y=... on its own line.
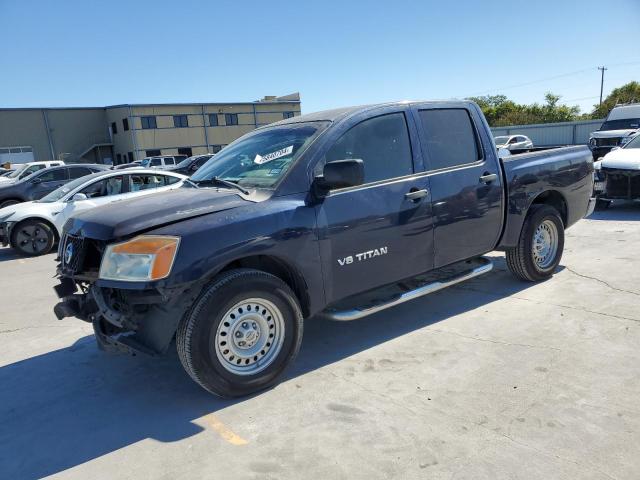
x=501, y=140
x=187, y=161
x=633, y=143
x=58, y=193
x=260, y=159
x=16, y=173
x=621, y=124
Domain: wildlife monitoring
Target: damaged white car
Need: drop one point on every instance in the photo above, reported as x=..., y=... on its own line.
x=617, y=175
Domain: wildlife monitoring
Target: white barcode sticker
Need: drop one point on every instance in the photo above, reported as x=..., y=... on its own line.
x=283, y=152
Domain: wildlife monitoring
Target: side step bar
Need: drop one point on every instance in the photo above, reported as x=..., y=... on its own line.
x=485, y=266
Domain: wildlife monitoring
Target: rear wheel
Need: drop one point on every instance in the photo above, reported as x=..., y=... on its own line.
x=241, y=334
x=32, y=238
x=540, y=245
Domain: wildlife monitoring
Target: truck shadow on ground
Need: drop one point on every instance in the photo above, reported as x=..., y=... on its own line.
x=70, y=406
x=619, y=211
x=7, y=253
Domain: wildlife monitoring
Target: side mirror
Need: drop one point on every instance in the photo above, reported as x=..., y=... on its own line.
x=340, y=174
x=78, y=197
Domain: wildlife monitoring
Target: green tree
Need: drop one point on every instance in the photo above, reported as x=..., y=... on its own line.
x=501, y=111
x=627, y=93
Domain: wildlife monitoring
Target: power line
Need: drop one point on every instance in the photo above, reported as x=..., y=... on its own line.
x=541, y=80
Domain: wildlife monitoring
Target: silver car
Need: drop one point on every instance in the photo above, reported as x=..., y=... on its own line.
x=513, y=142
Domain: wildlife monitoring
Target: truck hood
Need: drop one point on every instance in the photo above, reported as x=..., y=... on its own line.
x=120, y=219
x=624, y=158
x=613, y=133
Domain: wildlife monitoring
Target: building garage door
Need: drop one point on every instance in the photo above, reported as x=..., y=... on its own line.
x=16, y=155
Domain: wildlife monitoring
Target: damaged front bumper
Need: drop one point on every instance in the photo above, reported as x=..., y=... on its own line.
x=130, y=321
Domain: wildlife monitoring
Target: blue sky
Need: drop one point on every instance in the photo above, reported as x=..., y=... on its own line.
x=335, y=53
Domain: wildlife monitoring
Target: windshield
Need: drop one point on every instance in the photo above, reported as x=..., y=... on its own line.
x=501, y=140
x=262, y=158
x=58, y=193
x=16, y=173
x=621, y=124
x=634, y=143
x=187, y=161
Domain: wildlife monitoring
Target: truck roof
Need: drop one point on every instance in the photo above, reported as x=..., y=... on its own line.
x=624, y=111
x=340, y=113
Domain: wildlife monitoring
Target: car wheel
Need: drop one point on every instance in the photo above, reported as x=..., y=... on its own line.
x=540, y=245
x=242, y=332
x=6, y=203
x=32, y=238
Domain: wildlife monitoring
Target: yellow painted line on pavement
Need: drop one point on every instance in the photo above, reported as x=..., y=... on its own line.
x=225, y=432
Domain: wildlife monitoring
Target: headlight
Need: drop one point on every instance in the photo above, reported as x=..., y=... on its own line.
x=148, y=257
x=592, y=142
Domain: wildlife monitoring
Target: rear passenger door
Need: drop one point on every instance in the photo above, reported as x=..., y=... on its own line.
x=373, y=234
x=466, y=182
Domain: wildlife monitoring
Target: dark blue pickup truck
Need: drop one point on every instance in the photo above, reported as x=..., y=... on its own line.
x=339, y=213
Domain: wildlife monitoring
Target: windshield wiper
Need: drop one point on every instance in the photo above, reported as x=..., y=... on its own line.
x=219, y=181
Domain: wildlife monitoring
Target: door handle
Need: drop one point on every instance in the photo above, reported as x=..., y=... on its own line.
x=489, y=177
x=415, y=194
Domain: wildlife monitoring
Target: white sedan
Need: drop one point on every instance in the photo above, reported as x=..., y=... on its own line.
x=514, y=143
x=32, y=228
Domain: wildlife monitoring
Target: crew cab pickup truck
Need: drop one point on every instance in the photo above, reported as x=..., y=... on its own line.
x=339, y=213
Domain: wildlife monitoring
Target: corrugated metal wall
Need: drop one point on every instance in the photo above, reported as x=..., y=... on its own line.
x=549, y=134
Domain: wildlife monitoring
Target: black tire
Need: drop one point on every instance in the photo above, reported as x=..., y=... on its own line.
x=520, y=259
x=6, y=203
x=196, y=337
x=41, y=233
x=602, y=204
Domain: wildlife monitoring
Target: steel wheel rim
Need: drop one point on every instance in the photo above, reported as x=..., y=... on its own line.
x=32, y=238
x=545, y=244
x=250, y=336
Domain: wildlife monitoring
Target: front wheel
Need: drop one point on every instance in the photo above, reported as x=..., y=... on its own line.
x=540, y=245
x=241, y=334
x=32, y=238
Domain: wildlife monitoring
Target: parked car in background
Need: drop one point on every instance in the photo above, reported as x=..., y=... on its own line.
x=42, y=182
x=190, y=165
x=617, y=174
x=514, y=143
x=622, y=123
x=32, y=228
x=26, y=169
x=340, y=213
x=162, y=161
x=122, y=166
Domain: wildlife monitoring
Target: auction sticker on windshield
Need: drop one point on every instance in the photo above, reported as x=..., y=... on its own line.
x=283, y=152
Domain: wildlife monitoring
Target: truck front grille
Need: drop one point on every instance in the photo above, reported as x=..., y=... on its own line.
x=607, y=142
x=71, y=253
x=622, y=184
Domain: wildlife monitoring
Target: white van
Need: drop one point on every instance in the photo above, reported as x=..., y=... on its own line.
x=162, y=161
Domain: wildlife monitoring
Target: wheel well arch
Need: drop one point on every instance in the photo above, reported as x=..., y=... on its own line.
x=554, y=199
x=279, y=268
x=56, y=235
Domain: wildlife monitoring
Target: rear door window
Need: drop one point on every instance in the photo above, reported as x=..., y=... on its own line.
x=77, y=172
x=146, y=182
x=450, y=137
x=382, y=143
x=156, y=162
x=169, y=161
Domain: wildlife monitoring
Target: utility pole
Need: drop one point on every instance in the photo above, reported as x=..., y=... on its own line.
x=603, y=68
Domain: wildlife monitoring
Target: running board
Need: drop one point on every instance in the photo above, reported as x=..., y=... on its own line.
x=479, y=266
